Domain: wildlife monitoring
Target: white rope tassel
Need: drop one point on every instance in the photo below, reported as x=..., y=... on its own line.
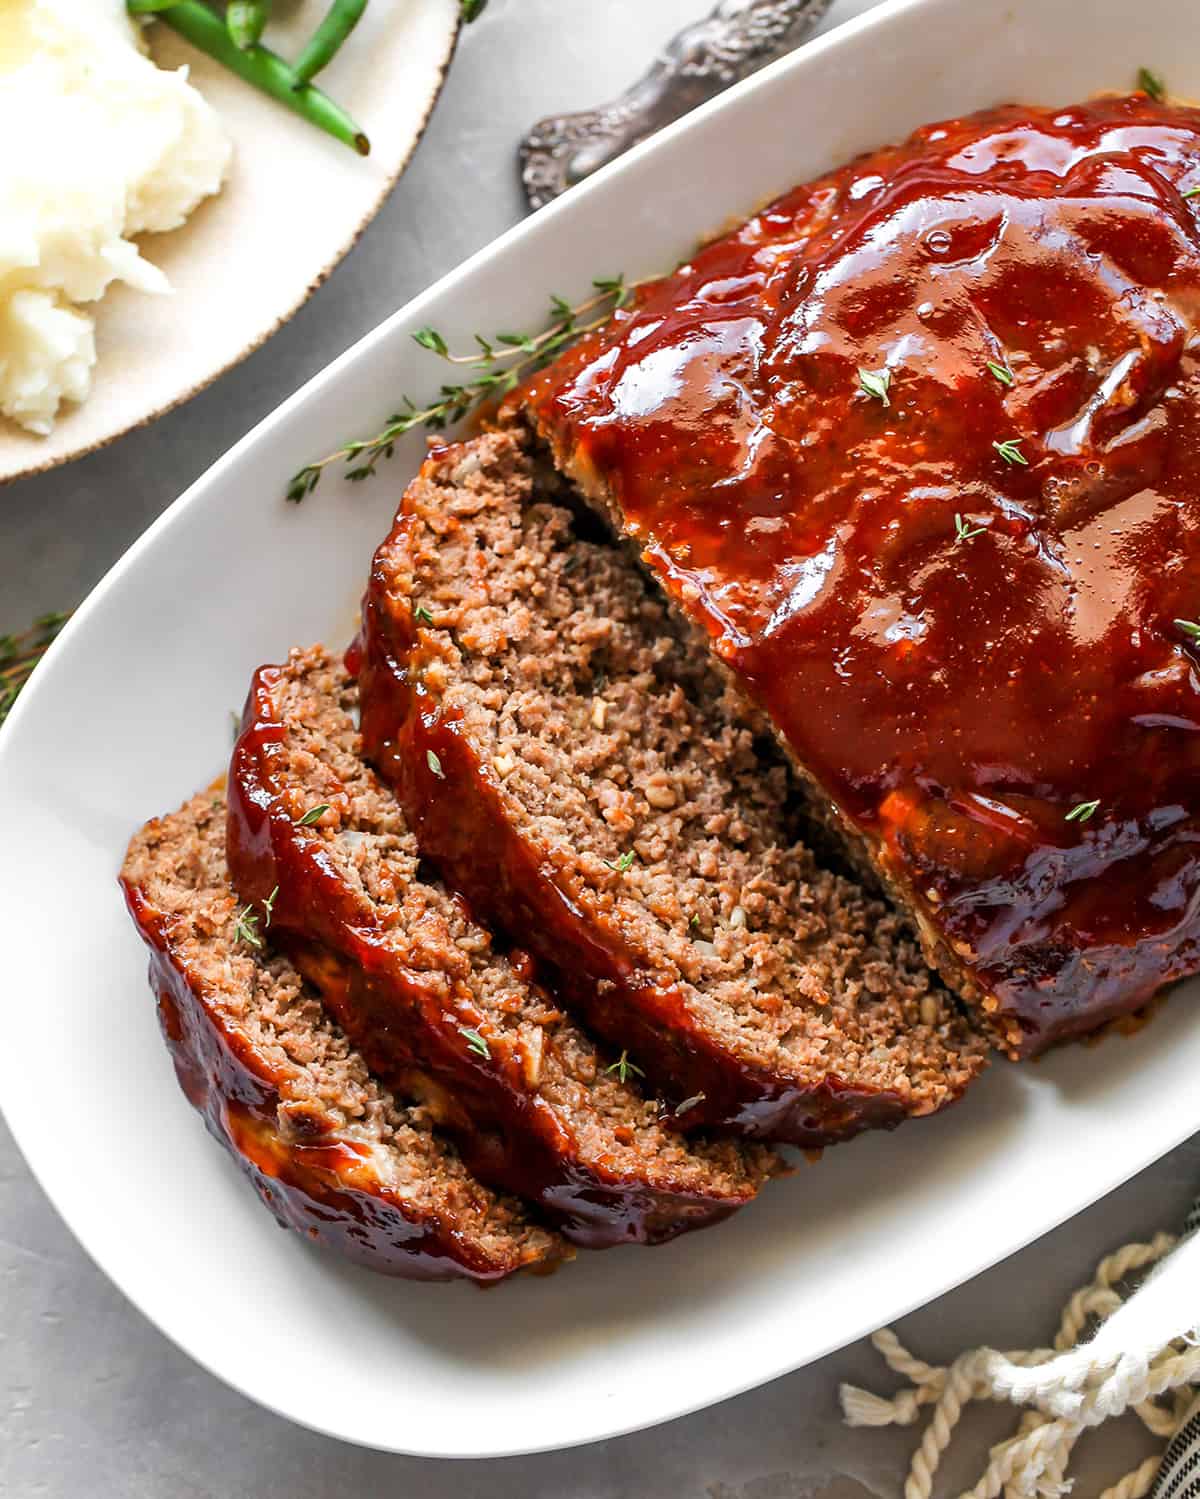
x=1128, y=1364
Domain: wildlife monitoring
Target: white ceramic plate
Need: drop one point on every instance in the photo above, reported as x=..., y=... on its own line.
x=130, y=712
x=294, y=204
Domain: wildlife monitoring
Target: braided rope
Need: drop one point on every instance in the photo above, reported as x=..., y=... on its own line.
x=1136, y=1484
x=1070, y=1388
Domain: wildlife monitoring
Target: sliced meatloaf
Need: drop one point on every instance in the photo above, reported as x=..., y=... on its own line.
x=320, y=850
x=915, y=448
x=572, y=762
x=333, y=1154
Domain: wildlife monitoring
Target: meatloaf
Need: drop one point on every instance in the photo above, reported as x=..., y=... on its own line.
x=333, y=1154
x=571, y=762
x=319, y=849
x=918, y=448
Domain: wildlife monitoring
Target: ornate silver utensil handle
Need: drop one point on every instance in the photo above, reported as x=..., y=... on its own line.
x=738, y=38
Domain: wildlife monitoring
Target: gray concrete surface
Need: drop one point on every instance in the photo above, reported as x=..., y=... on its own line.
x=94, y=1403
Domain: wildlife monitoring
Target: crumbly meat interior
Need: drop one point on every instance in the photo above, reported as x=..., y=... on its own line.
x=179, y=863
x=367, y=841
x=661, y=804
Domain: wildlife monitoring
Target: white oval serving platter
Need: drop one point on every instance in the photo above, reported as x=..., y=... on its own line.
x=131, y=711
x=294, y=203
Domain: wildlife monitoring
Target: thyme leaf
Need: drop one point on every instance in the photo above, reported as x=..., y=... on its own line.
x=1082, y=811
x=269, y=906
x=877, y=384
x=431, y=339
x=612, y=286
x=1151, y=83
x=475, y=1042
x=314, y=814
x=1001, y=372
x=435, y=765
x=964, y=531
x=689, y=1104
x=423, y=615
x=19, y=654
x=624, y=863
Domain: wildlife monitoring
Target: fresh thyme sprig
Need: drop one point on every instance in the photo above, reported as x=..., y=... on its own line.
x=965, y=531
x=245, y=928
x=624, y=864
x=500, y=363
x=1011, y=452
x=623, y=1067
x=19, y=654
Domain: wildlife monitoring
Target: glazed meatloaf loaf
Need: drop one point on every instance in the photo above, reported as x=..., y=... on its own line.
x=333, y=1154
x=319, y=848
x=916, y=448
x=571, y=761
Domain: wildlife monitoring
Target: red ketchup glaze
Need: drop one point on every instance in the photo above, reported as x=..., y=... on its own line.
x=318, y=1188
x=961, y=648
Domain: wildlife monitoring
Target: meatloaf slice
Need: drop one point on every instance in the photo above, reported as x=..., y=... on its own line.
x=332, y=1153
x=573, y=764
x=319, y=848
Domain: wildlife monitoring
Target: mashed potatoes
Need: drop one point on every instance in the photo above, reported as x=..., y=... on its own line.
x=100, y=145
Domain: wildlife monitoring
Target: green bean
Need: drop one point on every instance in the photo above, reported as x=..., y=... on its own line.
x=246, y=20
x=258, y=66
x=340, y=20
